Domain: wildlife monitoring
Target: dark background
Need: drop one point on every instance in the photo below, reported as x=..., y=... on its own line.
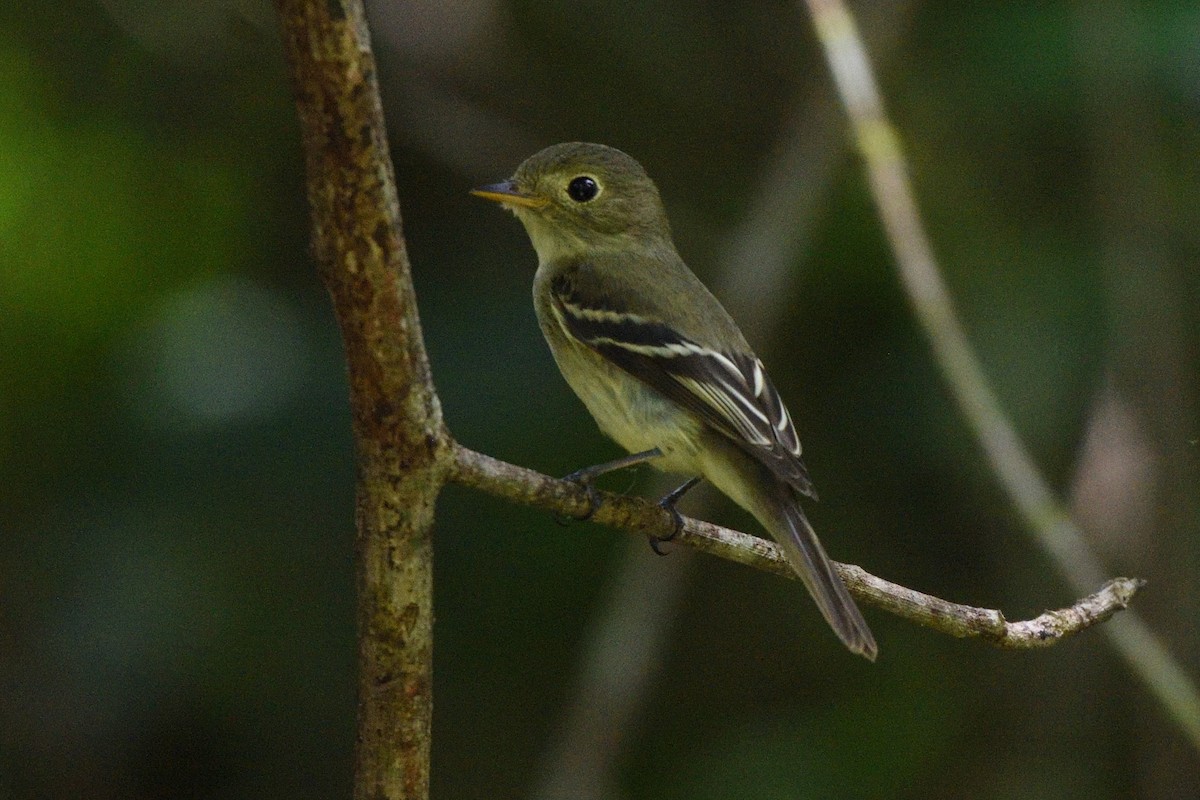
x=176, y=605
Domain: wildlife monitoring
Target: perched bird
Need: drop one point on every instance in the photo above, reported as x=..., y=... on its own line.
x=656, y=359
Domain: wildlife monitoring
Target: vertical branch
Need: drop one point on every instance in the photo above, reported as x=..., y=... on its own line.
x=1043, y=513
x=399, y=437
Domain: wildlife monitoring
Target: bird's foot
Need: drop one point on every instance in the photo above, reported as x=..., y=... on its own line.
x=668, y=504
x=583, y=478
x=586, y=476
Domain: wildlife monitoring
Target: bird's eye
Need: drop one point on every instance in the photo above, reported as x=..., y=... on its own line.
x=583, y=189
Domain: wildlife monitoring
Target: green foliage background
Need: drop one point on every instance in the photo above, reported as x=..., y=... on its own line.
x=176, y=609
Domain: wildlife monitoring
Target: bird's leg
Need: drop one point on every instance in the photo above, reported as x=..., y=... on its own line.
x=668, y=504
x=586, y=477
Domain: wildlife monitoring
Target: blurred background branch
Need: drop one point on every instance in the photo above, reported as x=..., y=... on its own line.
x=1043, y=514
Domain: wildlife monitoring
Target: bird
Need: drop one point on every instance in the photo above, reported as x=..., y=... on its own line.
x=657, y=360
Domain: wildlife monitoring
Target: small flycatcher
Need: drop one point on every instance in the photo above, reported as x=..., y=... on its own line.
x=656, y=359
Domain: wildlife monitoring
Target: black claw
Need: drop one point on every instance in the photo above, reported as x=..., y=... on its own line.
x=667, y=504
x=580, y=476
x=584, y=479
x=585, y=476
x=594, y=502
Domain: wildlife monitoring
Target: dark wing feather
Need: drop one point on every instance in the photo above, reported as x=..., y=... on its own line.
x=729, y=391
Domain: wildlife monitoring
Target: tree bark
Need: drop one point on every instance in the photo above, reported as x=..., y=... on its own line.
x=401, y=444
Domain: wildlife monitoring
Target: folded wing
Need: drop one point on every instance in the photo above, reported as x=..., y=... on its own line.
x=731, y=392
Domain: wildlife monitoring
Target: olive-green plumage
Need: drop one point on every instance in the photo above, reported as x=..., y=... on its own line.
x=655, y=357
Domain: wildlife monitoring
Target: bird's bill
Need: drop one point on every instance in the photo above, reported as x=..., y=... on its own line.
x=506, y=192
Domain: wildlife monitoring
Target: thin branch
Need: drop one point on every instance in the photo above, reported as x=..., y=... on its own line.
x=530, y=488
x=1043, y=513
x=399, y=438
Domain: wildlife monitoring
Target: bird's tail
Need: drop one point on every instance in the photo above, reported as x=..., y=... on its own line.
x=804, y=552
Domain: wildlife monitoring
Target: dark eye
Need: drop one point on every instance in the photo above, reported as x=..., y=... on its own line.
x=582, y=189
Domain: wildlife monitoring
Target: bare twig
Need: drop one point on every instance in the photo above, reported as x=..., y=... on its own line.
x=1043, y=512
x=399, y=438
x=531, y=488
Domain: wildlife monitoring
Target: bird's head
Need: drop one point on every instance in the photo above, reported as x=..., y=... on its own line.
x=577, y=198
